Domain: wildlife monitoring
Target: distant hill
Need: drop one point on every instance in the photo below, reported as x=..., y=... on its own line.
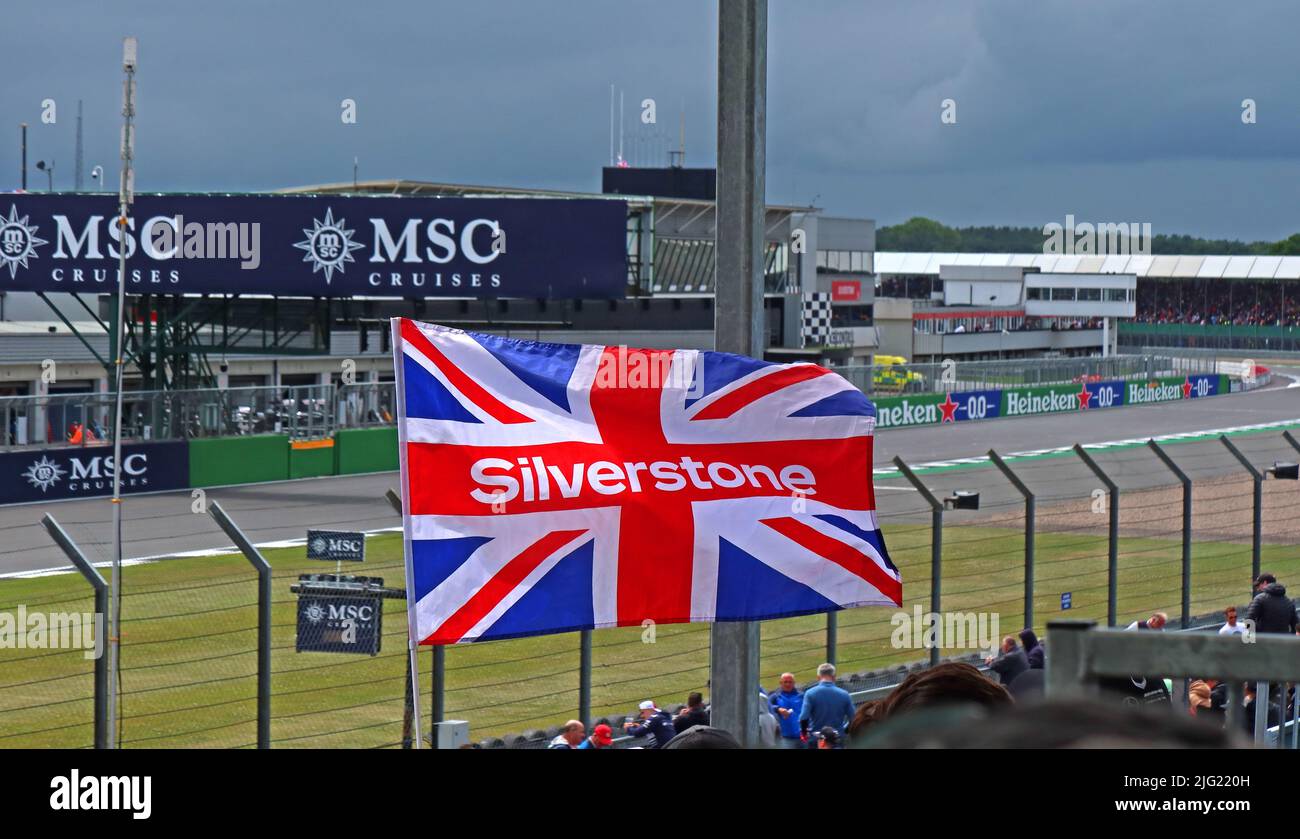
x=923, y=234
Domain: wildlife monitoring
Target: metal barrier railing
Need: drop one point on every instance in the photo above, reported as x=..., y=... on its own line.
x=896, y=379
x=1082, y=653
x=315, y=411
x=302, y=412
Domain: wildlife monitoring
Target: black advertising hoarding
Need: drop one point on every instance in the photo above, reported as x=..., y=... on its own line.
x=331, y=623
x=317, y=246
x=87, y=472
x=336, y=545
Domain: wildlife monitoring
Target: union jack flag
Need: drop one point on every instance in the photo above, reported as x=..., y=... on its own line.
x=556, y=487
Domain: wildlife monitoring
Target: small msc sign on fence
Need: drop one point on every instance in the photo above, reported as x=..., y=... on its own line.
x=336, y=545
x=340, y=624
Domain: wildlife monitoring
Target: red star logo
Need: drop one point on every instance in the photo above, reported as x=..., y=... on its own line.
x=1084, y=398
x=1187, y=387
x=949, y=409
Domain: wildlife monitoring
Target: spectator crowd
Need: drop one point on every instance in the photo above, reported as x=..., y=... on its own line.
x=824, y=716
x=1219, y=303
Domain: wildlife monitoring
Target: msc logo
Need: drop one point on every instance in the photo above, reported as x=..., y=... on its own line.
x=18, y=241
x=333, y=612
x=45, y=473
x=102, y=467
x=328, y=245
x=351, y=612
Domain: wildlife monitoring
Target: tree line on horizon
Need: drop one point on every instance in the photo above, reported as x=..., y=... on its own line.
x=922, y=234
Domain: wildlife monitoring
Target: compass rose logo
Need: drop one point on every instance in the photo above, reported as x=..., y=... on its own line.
x=43, y=474
x=315, y=613
x=18, y=241
x=318, y=545
x=328, y=245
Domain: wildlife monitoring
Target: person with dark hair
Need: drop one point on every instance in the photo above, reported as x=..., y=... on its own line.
x=703, y=737
x=1231, y=627
x=1033, y=648
x=864, y=717
x=1011, y=663
x=693, y=714
x=1055, y=724
x=953, y=692
x=949, y=683
x=828, y=738
x=1248, y=718
x=1271, y=610
x=1029, y=686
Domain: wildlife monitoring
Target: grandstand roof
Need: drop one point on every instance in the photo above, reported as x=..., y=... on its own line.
x=1145, y=267
x=406, y=187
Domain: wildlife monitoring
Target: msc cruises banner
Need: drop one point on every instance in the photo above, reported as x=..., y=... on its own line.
x=319, y=246
x=84, y=472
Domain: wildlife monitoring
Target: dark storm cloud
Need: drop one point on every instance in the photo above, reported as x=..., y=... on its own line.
x=1109, y=110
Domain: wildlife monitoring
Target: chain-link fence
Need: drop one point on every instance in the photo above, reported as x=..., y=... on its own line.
x=190, y=633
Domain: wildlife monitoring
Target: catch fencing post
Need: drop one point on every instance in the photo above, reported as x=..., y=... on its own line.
x=584, y=676
x=832, y=636
x=1029, y=532
x=1187, y=527
x=1112, y=550
x=263, y=568
x=1295, y=445
x=438, y=683
x=936, y=545
x=103, y=734
x=739, y=322
x=1257, y=515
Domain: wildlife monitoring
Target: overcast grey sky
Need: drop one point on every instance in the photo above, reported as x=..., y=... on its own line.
x=1112, y=111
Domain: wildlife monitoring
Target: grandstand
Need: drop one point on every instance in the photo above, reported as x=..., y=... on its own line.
x=1241, y=303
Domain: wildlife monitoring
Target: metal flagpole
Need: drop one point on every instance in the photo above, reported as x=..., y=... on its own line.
x=412, y=630
x=125, y=197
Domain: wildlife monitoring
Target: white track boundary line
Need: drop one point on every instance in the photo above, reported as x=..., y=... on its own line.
x=205, y=552
x=1108, y=444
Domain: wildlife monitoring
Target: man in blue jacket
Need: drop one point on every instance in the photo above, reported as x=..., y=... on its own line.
x=826, y=704
x=787, y=704
x=654, y=722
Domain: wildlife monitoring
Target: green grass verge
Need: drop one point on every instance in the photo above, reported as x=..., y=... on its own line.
x=189, y=641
